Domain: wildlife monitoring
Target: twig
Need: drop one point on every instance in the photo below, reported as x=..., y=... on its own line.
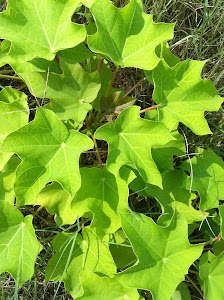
x=111, y=82
x=195, y=286
x=149, y=108
x=134, y=87
x=97, y=151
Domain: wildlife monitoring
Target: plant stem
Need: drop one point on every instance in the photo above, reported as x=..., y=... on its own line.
x=134, y=87
x=195, y=286
x=6, y=71
x=21, y=87
x=37, y=210
x=213, y=240
x=111, y=82
x=149, y=108
x=97, y=151
x=100, y=65
x=10, y=77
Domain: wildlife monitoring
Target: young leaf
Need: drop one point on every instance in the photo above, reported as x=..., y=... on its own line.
x=7, y=180
x=208, y=178
x=127, y=36
x=130, y=139
x=183, y=96
x=18, y=244
x=57, y=201
x=211, y=273
x=105, y=195
x=14, y=111
x=99, y=288
x=40, y=29
x=86, y=252
x=164, y=251
x=221, y=212
x=70, y=92
x=49, y=153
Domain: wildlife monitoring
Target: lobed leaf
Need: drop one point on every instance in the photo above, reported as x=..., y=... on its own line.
x=46, y=148
x=18, y=244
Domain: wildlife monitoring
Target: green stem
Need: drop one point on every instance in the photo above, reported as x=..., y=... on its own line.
x=10, y=77
x=111, y=82
x=195, y=286
x=6, y=71
x=97, y=151
x=37, y=210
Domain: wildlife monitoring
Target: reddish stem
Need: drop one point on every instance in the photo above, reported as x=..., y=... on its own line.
x=111, y=82
x=134, y=87
x=149, y=108
x=100, y=65
x=213, y=240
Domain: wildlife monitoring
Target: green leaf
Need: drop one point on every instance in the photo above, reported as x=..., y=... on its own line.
x=163, y=155
x=57, y=201
x=211, y=273
x=208, y=178
x=130, y=139
x=7, y=180
x=14, y=111
x=183, y=96
x=70, y=92
x=172, y=197
x=221, y=212
x=18, y=244
x=86, y=252
x=127, y=36
x=96, y=287
x=40, y=29
x=49, y=152
x=105, y=195
x=181, y=293
x=162, y=251
x=121, y=250
x=163, y=51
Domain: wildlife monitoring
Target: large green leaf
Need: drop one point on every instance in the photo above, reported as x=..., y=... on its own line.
x=127, y=36
x=130, y=139
x=208, y=178
x=99, y=288
x=18, y=244
x=7, y=180
x=70, y=92
x=49, y=152
x=14, y=111
x=40, y=28
x=164, y=254
x=221, y=212
x=172, y=197
x=183, y=96
x=75, y=254
x=211, y=273
x=105, y=195
x=57, y=201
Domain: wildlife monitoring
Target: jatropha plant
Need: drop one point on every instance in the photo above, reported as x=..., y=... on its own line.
x=54, y=154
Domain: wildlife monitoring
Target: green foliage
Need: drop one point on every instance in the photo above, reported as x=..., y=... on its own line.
x=109, y=244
